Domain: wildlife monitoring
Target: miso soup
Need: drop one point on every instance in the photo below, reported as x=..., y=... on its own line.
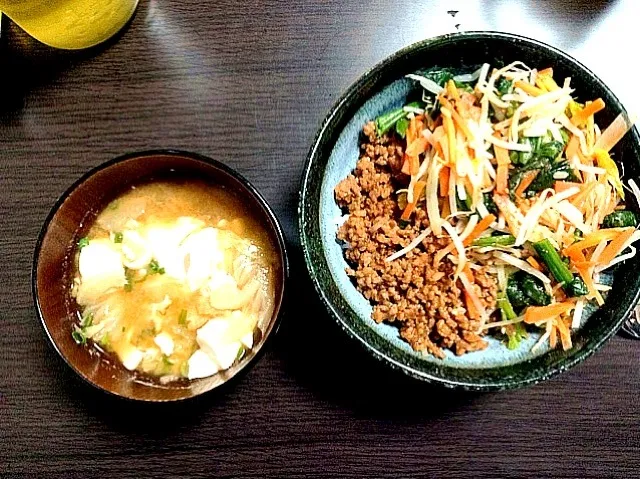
x=174, y=279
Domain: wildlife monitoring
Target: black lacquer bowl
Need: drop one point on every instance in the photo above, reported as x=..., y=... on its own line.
x=334, y=154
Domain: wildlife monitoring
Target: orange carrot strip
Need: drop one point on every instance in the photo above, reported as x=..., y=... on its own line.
x=592, y=239
x=417, y=146
x=417, y=191
x=450, y=131
x=452, y=90
x=527, y=179
x=534, y=314
x=532, y=261
x=553, y=337
x=565, y=334
x=457, y=118
x=528, y=88
x=443, y=180
x=482, y=225
x=472, y=311
x=614, y=133
x=614, y=248
x=591, y=109
x=560, y=186
x=412, y=132
x=502, y=174
x=579, y=198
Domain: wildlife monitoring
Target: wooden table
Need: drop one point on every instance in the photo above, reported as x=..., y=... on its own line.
x=249, y=84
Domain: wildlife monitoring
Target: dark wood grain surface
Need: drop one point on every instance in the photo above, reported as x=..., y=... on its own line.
x=248, y=83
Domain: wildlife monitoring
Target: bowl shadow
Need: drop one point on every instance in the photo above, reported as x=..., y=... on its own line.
x=322, y=358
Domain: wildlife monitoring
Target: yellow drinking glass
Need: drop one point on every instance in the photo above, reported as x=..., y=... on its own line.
x=70, y=24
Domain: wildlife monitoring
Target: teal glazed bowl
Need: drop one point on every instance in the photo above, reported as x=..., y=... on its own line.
x=333, y=156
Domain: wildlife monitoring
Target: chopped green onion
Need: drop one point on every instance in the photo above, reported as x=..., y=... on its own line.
x=79, y=337
x=117, y=238
x=155, y=268
x=82, y=242
x=184, y=369
x=240, y=354
x=105, y=341
x=87, y=320
x=182, y=319
x=166, y=361
x=113, y=205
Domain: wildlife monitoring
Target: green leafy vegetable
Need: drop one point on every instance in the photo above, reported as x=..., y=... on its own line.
x=401, y=127
x=504, y=86
x=82, y=242
x=620, y=219
x=117, y=238
x=442, y=75
x=573, y=286
x=498, y=240
x=155, y=268
x=524, y=289
x=489, y=204
x=387, y=121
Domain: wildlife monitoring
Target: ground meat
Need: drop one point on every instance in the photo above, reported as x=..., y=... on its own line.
x=425, y=302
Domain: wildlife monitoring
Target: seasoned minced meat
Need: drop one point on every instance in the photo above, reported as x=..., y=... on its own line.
x=425, y=303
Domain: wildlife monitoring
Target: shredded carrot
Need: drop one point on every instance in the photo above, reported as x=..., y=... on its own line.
x=553, y=337
x=467, y=270
x=528, y=88
x=412, y=130
x=532, y=261
x=560, y=186
x=472, y=311
x=443, y=179
x=592, y=239
x=502, y=174
x=565, y=335
x=614, y=133
x=501, y=202
x=445, y=209
x=526, y=180
x=452, y=90
x=460, y=122
x=578, y=199
x=450, y=131
x=417, y=191
x=480, y=228
x=591, y=109
x=573, y=146
x=616, y=246
x=534, y=314
x=417, y=146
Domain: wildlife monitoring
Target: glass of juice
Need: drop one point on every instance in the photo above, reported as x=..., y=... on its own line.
x=70, y=24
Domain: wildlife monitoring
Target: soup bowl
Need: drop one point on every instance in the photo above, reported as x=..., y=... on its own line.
x=333, y=156
x=76, y=209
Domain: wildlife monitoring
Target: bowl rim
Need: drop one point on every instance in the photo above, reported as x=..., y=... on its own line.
x=314, y=155
x=246, y=184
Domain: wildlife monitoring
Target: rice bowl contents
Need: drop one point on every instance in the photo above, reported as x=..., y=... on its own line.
x=173, y=279
x=488, y=203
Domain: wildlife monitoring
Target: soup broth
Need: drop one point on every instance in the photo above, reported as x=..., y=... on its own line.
x=175, y=279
